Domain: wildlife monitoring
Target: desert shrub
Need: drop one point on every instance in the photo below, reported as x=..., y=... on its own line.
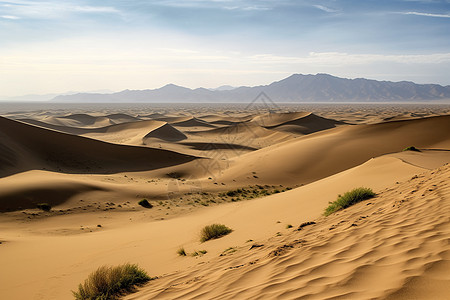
x=348, y=199
x=145, y=203
x=111, y=282
x=44, y=206
x=411, y=148
x=181, y=252
x=214, y=231
x=288, y=226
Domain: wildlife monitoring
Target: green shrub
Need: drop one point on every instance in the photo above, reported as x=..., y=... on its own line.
x=181, y=252
x=111, y=282
x=214, y=231
x=348, y=199
x=145, y=203
x=44, y=206
x=411, y=148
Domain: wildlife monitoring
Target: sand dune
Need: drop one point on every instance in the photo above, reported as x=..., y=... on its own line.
x=395, y=247
x=246, y=134
x=129, y=133
x=274, y=119
x=191, y=122
x=153, y=244
x=79, y=120
x=165, y=132
x=62, y=128
x=122, y=118
x=88, y=121
x=231, y=117
x=297, y=123
x=28, y=147
x=26, y=190
x=321, y=154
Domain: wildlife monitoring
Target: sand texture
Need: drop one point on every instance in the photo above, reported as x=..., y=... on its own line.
x=261, y=173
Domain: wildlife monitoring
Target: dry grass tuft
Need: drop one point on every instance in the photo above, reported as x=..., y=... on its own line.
x=214, y=231
x=108, y=283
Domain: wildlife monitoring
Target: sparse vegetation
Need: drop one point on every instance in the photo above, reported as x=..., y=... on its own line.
x=228, y=251
x=111, y=282
x=288, y=226
x=181, y=252
x=304, y=224
x=44, y=206
x=251, y=192
x=411, y=148
x=199, y=253
x=348, y=199
x=214, y=231
x=145, y=203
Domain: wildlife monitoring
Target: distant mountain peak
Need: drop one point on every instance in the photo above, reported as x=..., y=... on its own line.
x=172, y=86
x=321, y=87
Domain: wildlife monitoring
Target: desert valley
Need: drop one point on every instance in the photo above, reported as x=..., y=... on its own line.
x=99, y=185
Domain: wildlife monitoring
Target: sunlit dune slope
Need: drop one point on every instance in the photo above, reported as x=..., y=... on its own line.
x=321, y=154
x=394, y=246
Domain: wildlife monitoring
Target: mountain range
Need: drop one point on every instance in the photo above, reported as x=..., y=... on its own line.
x=295, y=88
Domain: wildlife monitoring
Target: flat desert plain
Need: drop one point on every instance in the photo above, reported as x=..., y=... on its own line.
x=268, y=173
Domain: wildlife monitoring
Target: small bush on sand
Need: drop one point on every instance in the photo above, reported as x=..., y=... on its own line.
x=44, y=206
x=181, y=252
x=145, y=203
x=214, y=231
x=411, y=148
x=348, y=199
x=111, y=282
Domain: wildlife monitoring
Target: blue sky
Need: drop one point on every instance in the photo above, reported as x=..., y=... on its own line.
x=56, y=46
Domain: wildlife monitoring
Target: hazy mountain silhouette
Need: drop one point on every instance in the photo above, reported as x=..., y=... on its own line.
x=295, y=88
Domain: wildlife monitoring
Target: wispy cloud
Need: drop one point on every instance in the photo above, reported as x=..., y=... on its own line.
x=10, y=17
x=218, y=4
x=325, y=9
x=338, y=58
x=426, y=14
x=50, y=10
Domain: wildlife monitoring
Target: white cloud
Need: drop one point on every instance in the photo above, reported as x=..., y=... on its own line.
x=426, y=14
x=9, y=17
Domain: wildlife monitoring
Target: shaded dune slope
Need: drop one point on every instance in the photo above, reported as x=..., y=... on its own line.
x=21, y=194
x=150, y=125
x=27, y=147
x=303, y=124
x=164, y=132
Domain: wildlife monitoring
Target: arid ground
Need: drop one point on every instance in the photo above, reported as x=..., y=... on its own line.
x=262, y=170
